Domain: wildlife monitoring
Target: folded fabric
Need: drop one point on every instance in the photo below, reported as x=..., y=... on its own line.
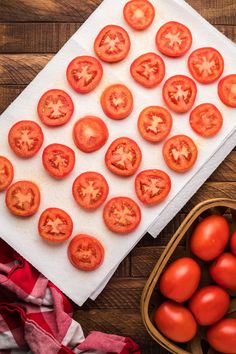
x=35, y=317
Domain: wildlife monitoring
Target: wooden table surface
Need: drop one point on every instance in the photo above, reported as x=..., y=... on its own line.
x=31, y=32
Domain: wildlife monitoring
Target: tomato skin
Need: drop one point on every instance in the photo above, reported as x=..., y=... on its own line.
x=226, y=90
x=233, y=243
x=175, y=321
x=209, y=304
x=109, y=100
x=6, y=173
x=223, y=271
x=136, y=5
x=210, y=237
x=222, y=336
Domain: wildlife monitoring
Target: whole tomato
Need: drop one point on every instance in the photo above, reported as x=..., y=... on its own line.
x=222, y=336
x=223, y=271
x=210, y=237
x=181, y=279
x=233, y=243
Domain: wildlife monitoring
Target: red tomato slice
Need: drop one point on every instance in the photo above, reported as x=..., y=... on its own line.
x=25, y=138
x=112, y=44
x=173, y=39
x=23, y=198
x=123, y=157
x=152, y=186
x=90, y=133
x=90, y=190
x=117, y=102
x=55, y=108
x=179, y=93
x=85, y=252
x=58, y=160
x=227, y=90
x=55, y=225
x=148, y=70
x=154, y=123
x=206, y=120
x=139, y=14
x=6, y=173
x=84, y=73
x=122, y=215
x=180, y=153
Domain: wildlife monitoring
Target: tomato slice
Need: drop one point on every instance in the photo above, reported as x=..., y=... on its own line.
x=112, y=44
x=85, y=252
x=180, y=153
x=84, y=73
x=90, y=133
x=90, y=190
x=148, y=70
x=122, y=215
x=139, y=14
x=152, y=186
x=58, y=160
x=123, y=157
x=55, y=225
x=6, y=173
x=154, y=123
x=179, y=93
x=25, y=138
x=206, y=120
x=227, y=90
x=206, y=65
x=23, y=198
x=173, y=39
x=117, y=101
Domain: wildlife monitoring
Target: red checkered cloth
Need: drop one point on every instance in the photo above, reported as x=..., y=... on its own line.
x=35, y=317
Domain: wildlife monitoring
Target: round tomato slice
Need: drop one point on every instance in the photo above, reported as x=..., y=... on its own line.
x=206, y=120
x=23, y=198
x=227, y=90
x=122, y=215
x=123, y=157
x=148, y=70
x=154, y=123
x=6, y=173
x=90, y=133
x=84, y=73
x=90, y=190
x=112, y=44
x=55, y=108
x=85, y=252
x=173, y=39
x=117, y=102
x=58, y=160
x=180, y=153
x=25, y=138
x=179, y=93
x=206, y=65
x=139, y=14
x=55, y=225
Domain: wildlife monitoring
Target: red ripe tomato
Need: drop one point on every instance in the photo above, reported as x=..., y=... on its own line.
x=233, y=243
x=6, y=173
x=148, y=70
x=173, y=39
x=123, y=157
x=121, y=215
x=175, y=322
x=25, y=138
x=55, y=108
x=139, y=14
x=152, y=186
x=85, y=252
x=179, y=93
x=58, y=160
x=206, y=65
x=210, y=237
x=209, y=304
x=112, y=44
x=180, y=153
x=227, y=90
x=23, y=198
x=222, y=336
x=181, y=279
x=206, y=120
x=155, y=123
x=55, y=225
x=223, y=271
x=84, y=74
x=90, y=190
x=117, y=102
x=90, y=134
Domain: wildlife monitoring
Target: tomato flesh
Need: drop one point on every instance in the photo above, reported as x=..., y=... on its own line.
x=139, y=14
x=233, y=243
x=227, y=90
x=6, y=173
x=223, y=271
x=206, y=120
x=222, y=336
x=117, y=102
